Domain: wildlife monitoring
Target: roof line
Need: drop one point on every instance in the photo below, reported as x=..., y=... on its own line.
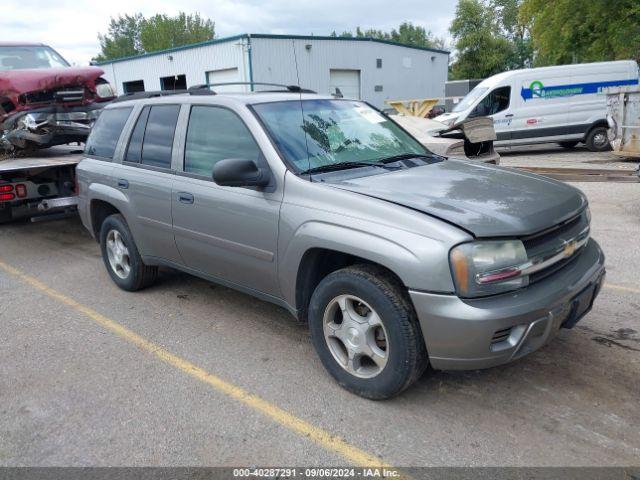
x=269, y=35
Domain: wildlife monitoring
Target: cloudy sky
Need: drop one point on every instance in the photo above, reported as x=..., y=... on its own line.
x=72, y=26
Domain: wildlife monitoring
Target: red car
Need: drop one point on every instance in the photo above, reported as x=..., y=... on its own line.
x=44, y=101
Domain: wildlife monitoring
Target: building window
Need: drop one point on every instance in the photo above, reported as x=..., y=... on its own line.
x=133, y=86
x=378, y=63
x=174, y=82
x=377, y=88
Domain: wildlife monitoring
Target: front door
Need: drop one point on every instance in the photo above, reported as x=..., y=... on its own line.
x=498, y=105
x=226, y=232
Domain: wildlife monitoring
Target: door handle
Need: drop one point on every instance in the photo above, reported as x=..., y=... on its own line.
x=122, y=183
x=508, y=115
x=185, y=197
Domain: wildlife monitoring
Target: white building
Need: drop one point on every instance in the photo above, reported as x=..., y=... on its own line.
x=369, y=69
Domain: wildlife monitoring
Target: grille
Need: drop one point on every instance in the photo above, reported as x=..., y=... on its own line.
x=67, y=94
x=553, y=240
x=501, y=335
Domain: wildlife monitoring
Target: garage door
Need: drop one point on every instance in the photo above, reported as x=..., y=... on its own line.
x=224, y=76
x=348, y=81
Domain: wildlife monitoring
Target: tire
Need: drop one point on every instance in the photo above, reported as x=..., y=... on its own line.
x=363, y=291
x=568, y=145
x=5, y=214
x=597, y=140
x=122, y=260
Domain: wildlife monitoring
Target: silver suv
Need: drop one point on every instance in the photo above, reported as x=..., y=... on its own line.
x=397, y=258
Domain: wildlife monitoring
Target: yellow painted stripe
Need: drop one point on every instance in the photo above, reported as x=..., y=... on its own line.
x=323, y=438
x=621, y=288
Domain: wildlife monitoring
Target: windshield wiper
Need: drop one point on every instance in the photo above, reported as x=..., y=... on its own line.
x=338, y=166
x=403, y=156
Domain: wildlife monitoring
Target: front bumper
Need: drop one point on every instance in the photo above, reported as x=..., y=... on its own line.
x=48, y=126
x=467, y=334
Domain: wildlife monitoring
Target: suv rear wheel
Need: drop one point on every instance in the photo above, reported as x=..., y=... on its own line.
x=366, y=332
x=121, y=257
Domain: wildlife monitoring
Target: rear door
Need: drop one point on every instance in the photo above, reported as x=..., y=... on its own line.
x=230, y=233
x=146, y=177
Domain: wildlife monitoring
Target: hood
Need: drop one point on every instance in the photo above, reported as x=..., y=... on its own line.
x=16, y=82
x=485, y=200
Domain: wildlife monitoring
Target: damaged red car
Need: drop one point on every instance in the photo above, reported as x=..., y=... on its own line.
x=44, y=101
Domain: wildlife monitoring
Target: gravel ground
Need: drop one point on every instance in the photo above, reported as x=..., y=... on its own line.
x=74, y=393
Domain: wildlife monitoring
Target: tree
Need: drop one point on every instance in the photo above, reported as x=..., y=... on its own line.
x=407, y=34
x=122, y=39
x=134, y=35
x=574, y=31
x=482, y=50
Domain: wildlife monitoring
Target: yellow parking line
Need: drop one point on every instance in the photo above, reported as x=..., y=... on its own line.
x=321, y=437
x=621, y=288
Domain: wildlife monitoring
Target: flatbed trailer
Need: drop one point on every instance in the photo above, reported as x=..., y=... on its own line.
x=40, y=183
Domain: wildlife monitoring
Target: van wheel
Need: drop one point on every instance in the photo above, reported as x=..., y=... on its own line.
x=597, y=140
x=366, y=332
x=568, y=145
x=121, y=257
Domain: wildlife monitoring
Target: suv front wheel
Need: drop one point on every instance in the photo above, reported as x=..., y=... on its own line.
x=121, y=256
x=366, y=332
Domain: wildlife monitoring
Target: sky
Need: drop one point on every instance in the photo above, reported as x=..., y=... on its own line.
x=72, y=26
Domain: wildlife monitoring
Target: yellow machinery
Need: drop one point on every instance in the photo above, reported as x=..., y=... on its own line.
x=413, y=108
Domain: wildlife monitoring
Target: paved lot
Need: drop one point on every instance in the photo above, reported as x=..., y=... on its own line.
x=79, y=385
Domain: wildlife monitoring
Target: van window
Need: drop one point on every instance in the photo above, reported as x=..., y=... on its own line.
x=214, y=134
x=469, y=98
x=496, y=101
x=158, y=136
x=104, y=136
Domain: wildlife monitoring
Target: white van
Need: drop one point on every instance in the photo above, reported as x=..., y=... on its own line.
x=550, y=104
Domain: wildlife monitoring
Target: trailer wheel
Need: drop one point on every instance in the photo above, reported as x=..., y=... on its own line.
x=597, y=140
x=121, y=257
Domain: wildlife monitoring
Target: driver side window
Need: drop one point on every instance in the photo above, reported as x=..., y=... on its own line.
x=495, y=102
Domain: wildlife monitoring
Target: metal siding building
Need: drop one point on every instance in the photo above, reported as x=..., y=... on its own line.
x=373, y=70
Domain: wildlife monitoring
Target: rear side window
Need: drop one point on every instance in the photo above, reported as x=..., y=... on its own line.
x=104, y=136
x=214, y=134
x=134, y=150
x=158, y=136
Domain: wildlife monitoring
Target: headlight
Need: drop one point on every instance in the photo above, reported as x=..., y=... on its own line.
x=488, y=267
x=105, y=90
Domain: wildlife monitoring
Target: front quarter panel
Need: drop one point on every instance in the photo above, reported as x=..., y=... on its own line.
x=411, y=244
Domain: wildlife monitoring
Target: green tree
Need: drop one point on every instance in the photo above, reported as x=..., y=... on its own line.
x=134, y=35
x=576, y=31
x=407, y=34
x=482, y=49
x=122, y=38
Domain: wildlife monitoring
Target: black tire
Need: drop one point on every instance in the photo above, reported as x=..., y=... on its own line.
x=407, y=355
x=594, y=141
x=5, y=214
x=139, y=275
x=568, y=145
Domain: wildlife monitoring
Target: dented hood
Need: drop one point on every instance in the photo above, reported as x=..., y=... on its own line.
x=485, y=200
x=16, y=82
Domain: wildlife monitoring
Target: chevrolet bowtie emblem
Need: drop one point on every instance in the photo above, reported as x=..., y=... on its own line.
x=570, y=248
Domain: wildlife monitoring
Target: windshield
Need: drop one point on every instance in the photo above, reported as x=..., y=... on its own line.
x=22, y=57
x=331, y=132
x=469, y=99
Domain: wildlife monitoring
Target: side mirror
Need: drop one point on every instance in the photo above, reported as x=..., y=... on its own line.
x=240, y=172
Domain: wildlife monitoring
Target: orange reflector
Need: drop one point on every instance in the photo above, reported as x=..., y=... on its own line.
x=461, y=270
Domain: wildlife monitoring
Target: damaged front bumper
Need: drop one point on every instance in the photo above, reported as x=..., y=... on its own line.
x=48, y=126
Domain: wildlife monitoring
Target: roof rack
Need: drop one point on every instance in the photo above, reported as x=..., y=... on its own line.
x=161, y=93
x=288, y=88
